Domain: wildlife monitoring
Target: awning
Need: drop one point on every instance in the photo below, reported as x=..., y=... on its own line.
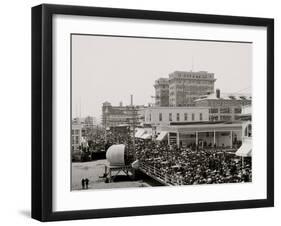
x=146, y=136
x=139, y=133
x=162, y=135
x=245, y=150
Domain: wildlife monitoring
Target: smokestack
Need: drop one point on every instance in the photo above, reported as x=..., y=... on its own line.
x=218, y=93
x=131, y=100
x=121, y=104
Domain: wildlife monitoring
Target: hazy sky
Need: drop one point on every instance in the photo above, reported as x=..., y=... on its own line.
x=112, y=68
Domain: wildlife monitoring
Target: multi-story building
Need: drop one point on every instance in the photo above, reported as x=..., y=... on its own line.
x=224, y=107
x=120, y=115
x=186, y=87
x=167, y=115
x=76, y=135
x=162, y=92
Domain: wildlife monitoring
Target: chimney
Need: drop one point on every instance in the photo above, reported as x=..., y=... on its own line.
x=121, y=104
x=131, y=100
x=218, y=93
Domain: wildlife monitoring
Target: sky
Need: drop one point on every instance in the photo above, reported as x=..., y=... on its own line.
x=112, y=68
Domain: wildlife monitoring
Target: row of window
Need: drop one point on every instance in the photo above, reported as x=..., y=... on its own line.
x=75, y=131
x=75, y=140
x=224, y=110
x=178, y=117
x=223, y=117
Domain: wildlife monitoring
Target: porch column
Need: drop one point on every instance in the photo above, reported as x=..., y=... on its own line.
x=169, y=138
x=178, y=139
x=196, y=137
x=231, y=139
x=214, y=137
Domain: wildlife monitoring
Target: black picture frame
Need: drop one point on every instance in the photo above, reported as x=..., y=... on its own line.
x=42, y=106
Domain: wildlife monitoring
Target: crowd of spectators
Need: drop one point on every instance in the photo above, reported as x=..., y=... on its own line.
x=180, y=165
x=193, y=165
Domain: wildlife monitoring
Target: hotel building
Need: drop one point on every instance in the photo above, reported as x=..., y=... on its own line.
x=185, y=87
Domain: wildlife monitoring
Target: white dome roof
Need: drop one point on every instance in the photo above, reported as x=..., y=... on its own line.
x=115, y=155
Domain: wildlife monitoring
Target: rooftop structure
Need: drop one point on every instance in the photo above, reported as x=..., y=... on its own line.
x=224, y=106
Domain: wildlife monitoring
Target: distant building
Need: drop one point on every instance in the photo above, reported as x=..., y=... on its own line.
x=87, y=125
x=224, y=107
x=166, y=115
x=162, y=92
x=76, y=135
x=185, y=87
x=120, y=115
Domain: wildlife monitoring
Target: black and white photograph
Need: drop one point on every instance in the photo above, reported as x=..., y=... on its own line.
x=149, y=112
x=145, y=112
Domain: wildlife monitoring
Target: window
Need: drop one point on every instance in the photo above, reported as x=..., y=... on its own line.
x=250, y=130
x=178, y=116
x=214, y=118
x=193, y=116
x=225, y=118
x=213, y=110
x=160, y=117
x=185, y=116
x=237, y=110
x=224, y=110
x=149, y=117
x=236, y=117
x=201, y=116
x=170, y=117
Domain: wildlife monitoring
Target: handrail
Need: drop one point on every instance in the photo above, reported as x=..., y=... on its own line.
x=159, y=176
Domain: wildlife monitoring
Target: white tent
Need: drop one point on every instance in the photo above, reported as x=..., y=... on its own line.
x=245, y=150
x=162, y=135
x=146, y=136
x=139, y=133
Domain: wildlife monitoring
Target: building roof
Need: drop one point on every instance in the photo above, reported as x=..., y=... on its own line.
x=206, y=127
x=226, y=96
x=176, y=107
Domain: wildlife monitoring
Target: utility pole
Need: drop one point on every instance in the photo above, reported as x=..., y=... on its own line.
x=132, y=122
x=105, y=124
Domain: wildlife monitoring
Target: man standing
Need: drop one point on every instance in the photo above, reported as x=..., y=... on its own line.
x=87, y=182
x=83, y=183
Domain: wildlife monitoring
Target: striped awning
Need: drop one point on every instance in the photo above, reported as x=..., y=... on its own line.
x=245, y=150
x=162, y=135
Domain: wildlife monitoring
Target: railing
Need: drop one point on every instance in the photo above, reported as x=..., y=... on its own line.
x=156, y=174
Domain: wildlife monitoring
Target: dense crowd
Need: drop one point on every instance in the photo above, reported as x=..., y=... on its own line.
x=194, y=165
x=180, y=165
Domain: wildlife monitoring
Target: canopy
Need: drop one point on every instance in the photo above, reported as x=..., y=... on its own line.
x=245, y=150
x=162, y=135
x=146, y=136
x=139, y=133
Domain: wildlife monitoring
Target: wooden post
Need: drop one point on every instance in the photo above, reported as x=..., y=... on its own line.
x=169, y=138
x=178, y=139
x=231, y=139
x=214, y=137
x=196, y=138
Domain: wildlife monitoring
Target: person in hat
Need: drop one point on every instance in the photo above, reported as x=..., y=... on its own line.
x=87, y=183
x=83, y=183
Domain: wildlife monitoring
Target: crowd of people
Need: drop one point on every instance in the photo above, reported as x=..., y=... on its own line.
x=193, y=165
x=200, y=164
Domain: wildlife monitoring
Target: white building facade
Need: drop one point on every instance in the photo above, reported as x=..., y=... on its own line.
x=76, y=135
x=165, y=115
